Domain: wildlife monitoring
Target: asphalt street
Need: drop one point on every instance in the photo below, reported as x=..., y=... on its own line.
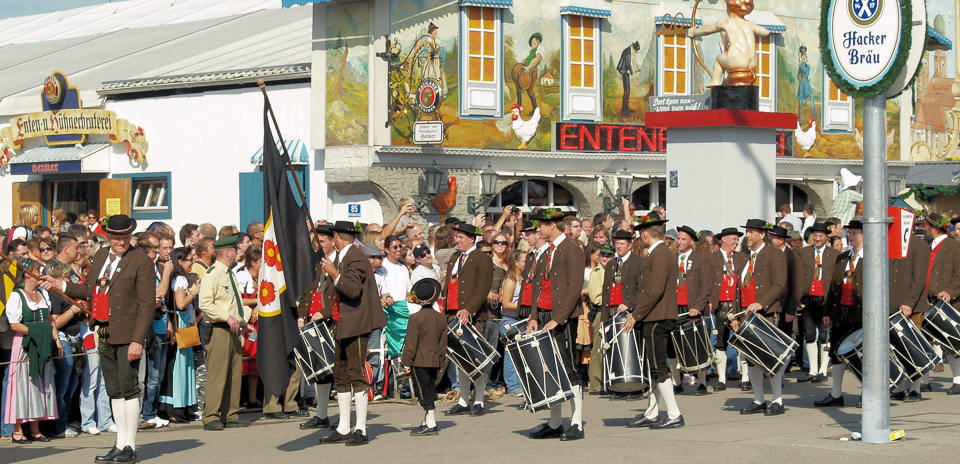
x=715, y=432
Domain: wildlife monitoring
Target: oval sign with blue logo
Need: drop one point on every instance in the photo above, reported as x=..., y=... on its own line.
x=864, y=38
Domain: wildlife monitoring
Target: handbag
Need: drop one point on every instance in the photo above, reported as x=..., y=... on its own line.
x=188, y=336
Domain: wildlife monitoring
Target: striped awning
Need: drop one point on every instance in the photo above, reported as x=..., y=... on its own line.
x=53, y=154
x=592, y=8
x=669, y=13
x=937, y=38
x=289, y=3
x=298, y=152
x=488, y=3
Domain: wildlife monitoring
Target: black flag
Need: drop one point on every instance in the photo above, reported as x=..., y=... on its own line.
x=288, y=266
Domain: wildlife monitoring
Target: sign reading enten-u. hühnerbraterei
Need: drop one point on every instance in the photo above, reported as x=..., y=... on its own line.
x=65, y=117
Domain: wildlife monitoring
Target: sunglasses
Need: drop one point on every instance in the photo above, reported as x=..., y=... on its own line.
x=489, y=252
x=499, y=242
x=43, y=249
x=397, y=247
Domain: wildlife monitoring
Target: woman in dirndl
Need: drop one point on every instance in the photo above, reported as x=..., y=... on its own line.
x=248, y=282
x=179, y=393
x=31, y=397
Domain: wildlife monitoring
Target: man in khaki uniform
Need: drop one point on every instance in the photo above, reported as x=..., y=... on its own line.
x=220, y=304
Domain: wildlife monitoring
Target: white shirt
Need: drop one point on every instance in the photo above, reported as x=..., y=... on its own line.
x=423, y=272
x=396, y=283
x=107, y=265
x=684, y=257
x=746, y=268
x=793, y=220
x=652, y=247
x=819, y=252
x=937, y=241
x=856, y=256
x=807, y=223
x=244, y=282
x=14, y=309
x=462, y=258
x=625, y=257
x=556, y=244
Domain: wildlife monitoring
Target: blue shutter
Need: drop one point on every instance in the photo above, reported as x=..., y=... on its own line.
x=251, y=198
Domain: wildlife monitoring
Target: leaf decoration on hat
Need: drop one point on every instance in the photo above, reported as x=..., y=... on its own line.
x=767, y=225
x=645, y=219
x=357, y=227
x=552, y=213
x=104, y=221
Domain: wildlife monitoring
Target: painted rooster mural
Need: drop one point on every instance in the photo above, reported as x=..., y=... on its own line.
x=524, y=130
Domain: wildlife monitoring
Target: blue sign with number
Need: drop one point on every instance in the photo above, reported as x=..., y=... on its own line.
x=674, y=179
x=353, y=210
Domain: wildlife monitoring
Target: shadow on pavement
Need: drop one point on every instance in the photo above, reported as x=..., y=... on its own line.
x=156, y=450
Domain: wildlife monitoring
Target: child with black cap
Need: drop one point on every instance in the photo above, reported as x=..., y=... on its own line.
x=423, y=351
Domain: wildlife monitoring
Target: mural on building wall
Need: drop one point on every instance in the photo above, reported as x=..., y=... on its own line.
x=348, y=26
x=829, y=123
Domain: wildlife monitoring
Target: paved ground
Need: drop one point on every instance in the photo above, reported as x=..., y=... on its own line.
x=715, y=433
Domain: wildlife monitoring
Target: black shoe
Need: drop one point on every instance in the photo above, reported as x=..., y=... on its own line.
x=720, y=387
x=860, y=402
x=277, y=415
x=926, y=387
x=109, y=457
x=669, y=423
x=701, y=390
x=316, y=423
x=424, y=431
x=237, y=424
x=829, y=401
x=127, y=456
x=545, y=431
x=476, y=410
x=677, y=389
x=745, y=386
x=899, y=396
x=806, y=378
x=819, y=378
x=754, y=408
x=41, y=438
x=574, y=432
x=357, y=438
x=457, y=410
x=913, y=397
x=642, y=421
x=299, y=413
x=954, y=389
x=26, y=441
x=213, y=426
x=335, y=437
x=775, y=409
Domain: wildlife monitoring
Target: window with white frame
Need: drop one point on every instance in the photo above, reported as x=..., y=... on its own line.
x=673, y=61
x=581, y=86
x=481, y=76
x=838, y=110
x=150, y=195
x=767, y=72
x=529, y=194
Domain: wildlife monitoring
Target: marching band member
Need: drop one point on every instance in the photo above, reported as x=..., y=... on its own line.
x=693, y=293
x=556, y=310
x=843, y=312
x=724, y=294
x=763, y=280
x=818, y=261
x=319, y=306
x=908, y=293
x=791, y=294
x=423, y=352
x=943, y=281
x=355, y=289
x=656, y=311
x=465, y=287
x=532, y=271
x=621, y=280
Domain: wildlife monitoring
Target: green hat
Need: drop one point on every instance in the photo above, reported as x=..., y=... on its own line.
x=606, y=249
x=229, y=241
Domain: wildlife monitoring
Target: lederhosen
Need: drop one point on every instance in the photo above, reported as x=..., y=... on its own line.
x=811, y=319
x=727, y=303
x=844, y=321
x=564, y=334
x=318, y=301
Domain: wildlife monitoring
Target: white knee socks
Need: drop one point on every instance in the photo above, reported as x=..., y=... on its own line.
x=756, y=381
x=954, y=363
x=555, y=418
x=669, y=400
x=480, y=385
x=431, y=418
x=824, y=358
x=722, y=365
x=811, y=349
x=120, y=418
x=131, y=421
x=360, y=399
x=653, y=405
x=343, y=407
x=577, y=417
x=838, y=370
x=465, y=381
x=776, y=386
x=323, y=399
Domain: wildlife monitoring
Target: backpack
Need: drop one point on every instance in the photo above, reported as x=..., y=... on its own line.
x=7, y=235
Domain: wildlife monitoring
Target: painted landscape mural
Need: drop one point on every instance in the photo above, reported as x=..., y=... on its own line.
x=427, y=62
x=348, y=38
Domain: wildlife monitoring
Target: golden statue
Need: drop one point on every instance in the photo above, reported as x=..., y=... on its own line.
x=739, y=35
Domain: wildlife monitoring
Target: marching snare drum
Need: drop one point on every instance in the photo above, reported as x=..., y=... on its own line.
x=623, y=357
x=914, y=352
x=691, y=341
x=763, y=344
x=515, y=331
x=469, y=350
x=545, y=381
x=941, y=323
x=314, y=352
x=850, y=353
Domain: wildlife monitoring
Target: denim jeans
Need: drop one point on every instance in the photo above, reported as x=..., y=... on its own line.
x=374, y=356
x=94, y=403
x=6, y=429
x=66, y=382
x=510, y=376
x=156, y=364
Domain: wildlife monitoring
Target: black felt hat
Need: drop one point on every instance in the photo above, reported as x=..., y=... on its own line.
x=623, y=235
x=729, y=231
x=820, y=227
x=689, y=231
x=855, y=224
x=427, y=290
x=468, y=229
x=778, y=231
x=652, y=219
x=344, y=226
x=757, y=224
x=120, y=224
x=550, y=215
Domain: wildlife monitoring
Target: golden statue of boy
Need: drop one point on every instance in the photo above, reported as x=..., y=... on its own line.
x=739, y=35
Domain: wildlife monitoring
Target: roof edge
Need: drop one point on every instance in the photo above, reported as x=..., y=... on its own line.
x=206, y=79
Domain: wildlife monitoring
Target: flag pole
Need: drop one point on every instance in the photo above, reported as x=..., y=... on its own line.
x=263, y=88
x=39, y=277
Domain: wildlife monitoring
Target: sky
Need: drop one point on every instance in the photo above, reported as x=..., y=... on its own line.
x=14, y=8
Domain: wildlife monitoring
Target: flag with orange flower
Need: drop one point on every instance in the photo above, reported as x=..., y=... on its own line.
x=287, y=270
